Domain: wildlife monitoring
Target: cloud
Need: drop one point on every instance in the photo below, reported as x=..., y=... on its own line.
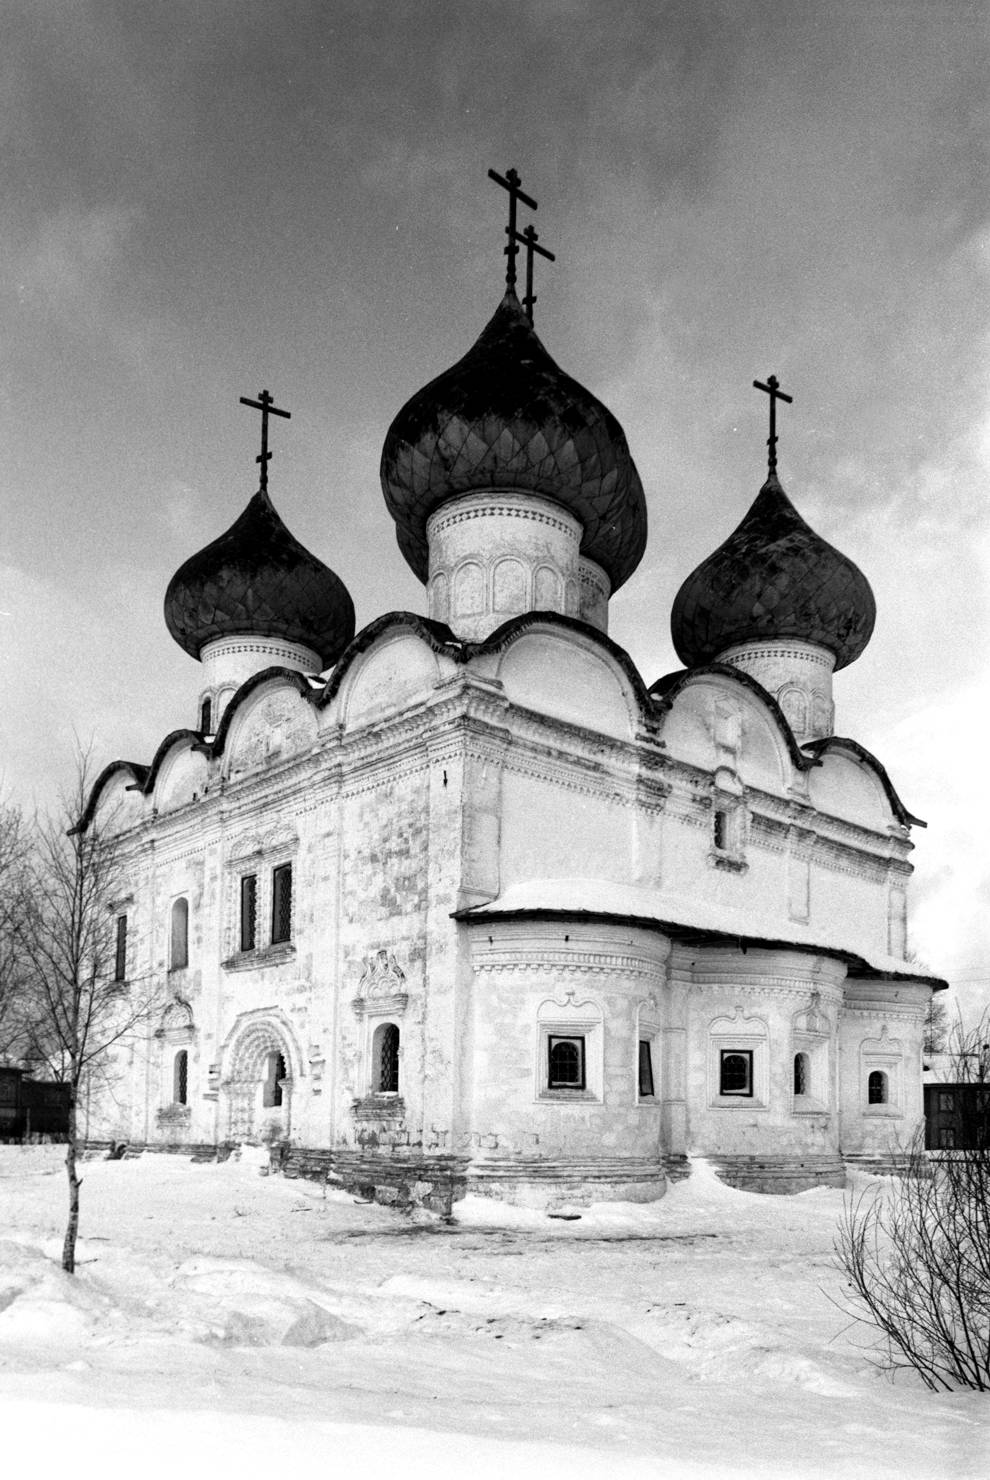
x=73, y=255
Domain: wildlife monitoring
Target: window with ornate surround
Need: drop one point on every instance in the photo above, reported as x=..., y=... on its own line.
x=262, y=907
x=569, y=1050
x=880, y=1075
x=738, y=1062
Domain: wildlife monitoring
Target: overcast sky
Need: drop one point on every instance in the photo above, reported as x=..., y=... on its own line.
x=202, y=200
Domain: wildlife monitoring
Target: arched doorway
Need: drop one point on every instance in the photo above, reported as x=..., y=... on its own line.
x=258, y=1085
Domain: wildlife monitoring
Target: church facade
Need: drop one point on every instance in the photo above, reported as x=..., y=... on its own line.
x=461, y=901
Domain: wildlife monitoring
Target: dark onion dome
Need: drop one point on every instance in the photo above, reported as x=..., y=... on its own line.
x=506, y=416
x=773, y=578
x=258, y=580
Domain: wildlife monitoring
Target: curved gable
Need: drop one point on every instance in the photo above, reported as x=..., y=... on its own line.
x=714, y=717
x=180, y=774
x=567, y=672
x=851, y=783
x=270, y=718
x=399, y=665
x=117, y=795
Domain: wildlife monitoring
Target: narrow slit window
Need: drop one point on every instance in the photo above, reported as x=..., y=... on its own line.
x=120, y=950
x=249, y=912
x=720, y=830
x=565, y=1063
x=800, y=1073
x=645, y=1068
x=179, y=951
x=206, y=717
x=735, y=1075
x=180, y=1077
x=282, y=903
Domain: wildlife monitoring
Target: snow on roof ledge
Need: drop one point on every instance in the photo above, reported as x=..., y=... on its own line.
x=605, y=899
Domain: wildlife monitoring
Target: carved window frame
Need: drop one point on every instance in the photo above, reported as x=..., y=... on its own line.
x=260, y=860
x=570, y=1020
x=739, y=1034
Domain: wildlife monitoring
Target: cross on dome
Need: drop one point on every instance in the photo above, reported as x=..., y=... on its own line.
x=511, y=182
x=265, y=404
x=775, y=394
x=531, y=240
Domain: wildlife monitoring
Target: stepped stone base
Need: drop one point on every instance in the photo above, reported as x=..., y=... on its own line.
x=432, y=1182
x=878, y=1164
x=554, y=1183
x=780, y=1174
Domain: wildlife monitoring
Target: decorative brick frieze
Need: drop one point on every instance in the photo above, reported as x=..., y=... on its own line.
x=448, y=518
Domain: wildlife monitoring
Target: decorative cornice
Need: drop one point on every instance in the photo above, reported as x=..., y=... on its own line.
x=446, y=516
x=520, y=958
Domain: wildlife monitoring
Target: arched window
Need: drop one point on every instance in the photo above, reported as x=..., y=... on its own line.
x=274, y=1074
x=801, y=1073
x=385, y=1060
x=179, y=944
x=876, y=1088
x=206, y=717
x=736, y=1072
x=180, y=1078
x=565, y=1062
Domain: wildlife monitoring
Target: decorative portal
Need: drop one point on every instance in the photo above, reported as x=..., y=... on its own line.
x=259, y=1083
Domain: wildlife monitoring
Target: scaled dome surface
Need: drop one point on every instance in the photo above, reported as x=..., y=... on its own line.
x=506, y=416
x=258, y=579
x=774, y=577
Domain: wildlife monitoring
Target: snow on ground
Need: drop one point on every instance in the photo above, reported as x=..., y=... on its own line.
x=221, y=1321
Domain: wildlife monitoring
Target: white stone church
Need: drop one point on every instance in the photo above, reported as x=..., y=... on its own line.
x=464, y=901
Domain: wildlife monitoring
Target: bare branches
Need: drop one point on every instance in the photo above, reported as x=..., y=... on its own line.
x=15, y=1004
x=64, y=930
x=917, y=1252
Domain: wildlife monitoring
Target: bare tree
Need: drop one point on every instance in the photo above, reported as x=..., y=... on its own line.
x=917, y=1253
x=936, y=1026
x=64, y=931
x=18, y=1016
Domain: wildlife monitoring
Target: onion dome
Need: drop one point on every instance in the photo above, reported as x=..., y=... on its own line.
x=258, y=580
x=773, y=578
x=507, y=417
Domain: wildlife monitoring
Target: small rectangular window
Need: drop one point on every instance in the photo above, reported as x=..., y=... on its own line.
x=282, y=903
x=249, y=911
x=946, y=1102
x=720, y=830
x=645, y=1068
x=735, y=1072
x=120, y=952
x=565, y=1062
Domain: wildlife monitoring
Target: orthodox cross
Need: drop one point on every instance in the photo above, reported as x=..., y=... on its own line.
x=510, y=182
x=266, y=406
x=775, y=394
x=531, y=240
